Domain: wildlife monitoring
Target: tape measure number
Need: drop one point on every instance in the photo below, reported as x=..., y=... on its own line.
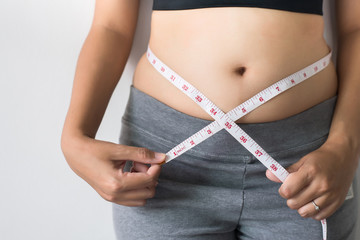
x=227, y=121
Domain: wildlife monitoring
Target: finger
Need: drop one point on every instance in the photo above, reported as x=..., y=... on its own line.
x=303, y=197
x=154, y=171
x=326, y=211
x=111, y=198
x=139, y=167
x=137, y=154
x=293, y=184
x=126, y=181
x=293, y=168
x=271, y=176
x=309, y=209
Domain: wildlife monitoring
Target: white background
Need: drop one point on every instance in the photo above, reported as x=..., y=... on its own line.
x=40, y=197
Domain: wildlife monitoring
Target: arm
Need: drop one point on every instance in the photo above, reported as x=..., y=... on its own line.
x=325, y=175
x=99, y=67
x=346, y=121
x=100, y=64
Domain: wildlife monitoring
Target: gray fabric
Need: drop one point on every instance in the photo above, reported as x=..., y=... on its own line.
x=218, y=190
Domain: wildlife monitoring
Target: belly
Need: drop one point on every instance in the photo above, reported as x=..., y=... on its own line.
x=230, y=54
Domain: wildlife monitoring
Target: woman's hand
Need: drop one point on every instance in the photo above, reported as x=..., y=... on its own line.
x=101, y=165
x=323, y=176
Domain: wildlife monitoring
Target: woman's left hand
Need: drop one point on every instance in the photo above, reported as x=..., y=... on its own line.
x=323, y=176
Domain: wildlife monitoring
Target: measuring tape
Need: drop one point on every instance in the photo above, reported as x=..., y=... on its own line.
x=227, y=121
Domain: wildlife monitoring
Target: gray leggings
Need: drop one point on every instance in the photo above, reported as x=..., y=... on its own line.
x=222, y=193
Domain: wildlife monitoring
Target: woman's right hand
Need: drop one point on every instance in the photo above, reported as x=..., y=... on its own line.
x=101, y=165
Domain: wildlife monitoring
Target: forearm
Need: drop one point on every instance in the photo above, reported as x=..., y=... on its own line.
x=345, y=128
x=100, y=64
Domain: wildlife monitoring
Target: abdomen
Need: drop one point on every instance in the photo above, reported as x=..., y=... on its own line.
x=232, y=53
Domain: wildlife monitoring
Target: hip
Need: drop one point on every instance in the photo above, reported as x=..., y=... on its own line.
x=148, y=122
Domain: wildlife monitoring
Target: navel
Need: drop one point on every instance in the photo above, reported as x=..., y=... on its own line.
x=240, y=70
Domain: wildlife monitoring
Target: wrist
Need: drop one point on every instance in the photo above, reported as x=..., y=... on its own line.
x=345, y=145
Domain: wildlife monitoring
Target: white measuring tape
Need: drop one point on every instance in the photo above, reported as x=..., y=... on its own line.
x=227, y=121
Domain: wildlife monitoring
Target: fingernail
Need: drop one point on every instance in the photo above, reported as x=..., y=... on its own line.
x=159, y=156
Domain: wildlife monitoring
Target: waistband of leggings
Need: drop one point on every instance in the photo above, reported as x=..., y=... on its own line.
x=171, y=127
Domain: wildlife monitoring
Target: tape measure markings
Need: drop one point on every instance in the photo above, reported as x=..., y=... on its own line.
x=238, y=111
x=225, y=120
x=203, y=101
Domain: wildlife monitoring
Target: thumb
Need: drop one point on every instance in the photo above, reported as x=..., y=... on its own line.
x=137, y=154
x=293, y=168
x=271, y=176
x=154, y=171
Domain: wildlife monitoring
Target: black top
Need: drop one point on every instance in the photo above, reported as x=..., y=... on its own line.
x=302, y=6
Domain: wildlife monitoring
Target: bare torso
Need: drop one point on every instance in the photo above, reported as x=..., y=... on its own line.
x=232, y=53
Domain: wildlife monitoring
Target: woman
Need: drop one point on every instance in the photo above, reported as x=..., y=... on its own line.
x=230, y=51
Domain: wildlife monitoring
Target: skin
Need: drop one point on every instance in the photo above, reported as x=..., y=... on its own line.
x=206, y=52
x=326, y=174
x=100, y=64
